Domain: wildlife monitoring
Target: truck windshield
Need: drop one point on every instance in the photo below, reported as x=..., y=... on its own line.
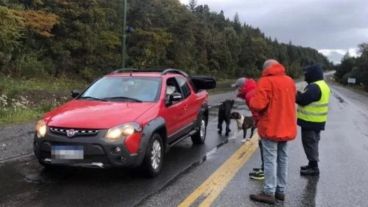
x=124, y=89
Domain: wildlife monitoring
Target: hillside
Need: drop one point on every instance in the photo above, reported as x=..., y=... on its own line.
x=57, y=37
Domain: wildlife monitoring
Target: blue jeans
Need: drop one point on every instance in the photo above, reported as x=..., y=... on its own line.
x=275, y=166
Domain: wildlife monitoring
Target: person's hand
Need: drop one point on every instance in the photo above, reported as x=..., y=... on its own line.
x=239, y=95
x=242, y=92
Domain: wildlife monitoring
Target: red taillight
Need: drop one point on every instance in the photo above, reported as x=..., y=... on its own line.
x=132, y=142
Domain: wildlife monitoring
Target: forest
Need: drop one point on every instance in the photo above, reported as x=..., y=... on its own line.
x=354, y=67
x=83, y=39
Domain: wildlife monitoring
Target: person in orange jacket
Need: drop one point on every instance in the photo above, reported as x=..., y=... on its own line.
x=274, y=99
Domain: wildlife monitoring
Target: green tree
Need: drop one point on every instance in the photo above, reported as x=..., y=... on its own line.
x=11, y=30
x=151, y=48
x=345, y=67
x=83, y=39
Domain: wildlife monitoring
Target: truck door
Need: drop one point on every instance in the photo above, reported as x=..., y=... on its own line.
x=191, y=104
x=175, y=113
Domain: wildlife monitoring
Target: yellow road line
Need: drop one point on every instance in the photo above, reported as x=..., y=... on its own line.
x=210, y=189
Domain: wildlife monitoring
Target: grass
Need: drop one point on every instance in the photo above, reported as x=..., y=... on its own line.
x=19, y=116
x=26, y=100
x=13, y=87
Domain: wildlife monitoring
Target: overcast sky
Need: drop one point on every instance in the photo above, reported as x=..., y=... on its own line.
x=326, y=25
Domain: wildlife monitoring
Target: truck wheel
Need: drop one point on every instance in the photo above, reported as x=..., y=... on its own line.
x=153, y=159
x=200, y=136
x=48, y=167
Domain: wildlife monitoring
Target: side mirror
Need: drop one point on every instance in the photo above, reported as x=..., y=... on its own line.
x=75, y=93
x=175, y=97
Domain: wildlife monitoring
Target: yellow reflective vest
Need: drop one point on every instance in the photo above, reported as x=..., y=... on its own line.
x=316, y=111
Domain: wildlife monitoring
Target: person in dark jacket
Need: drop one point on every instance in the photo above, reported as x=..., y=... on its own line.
x=312, y=115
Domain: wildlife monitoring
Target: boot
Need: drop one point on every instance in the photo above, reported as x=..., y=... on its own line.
x=311, y=164
x=264, y=198
x=305, y=167
x=280, y=196
x=314, y=171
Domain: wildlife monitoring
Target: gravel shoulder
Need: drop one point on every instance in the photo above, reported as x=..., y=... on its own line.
x=16, y=141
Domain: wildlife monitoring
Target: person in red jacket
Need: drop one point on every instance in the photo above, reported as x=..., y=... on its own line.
x=274, y=99
x=246, y=90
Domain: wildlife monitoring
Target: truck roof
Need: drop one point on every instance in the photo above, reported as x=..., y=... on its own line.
x=147, y=73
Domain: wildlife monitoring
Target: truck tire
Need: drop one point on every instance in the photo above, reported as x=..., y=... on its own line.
x=154, y=156
x=49, y=167
x=200, y=136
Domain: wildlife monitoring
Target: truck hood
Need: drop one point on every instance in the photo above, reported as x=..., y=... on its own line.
x=85, y=114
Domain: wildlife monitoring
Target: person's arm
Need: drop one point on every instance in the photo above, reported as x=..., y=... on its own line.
x=311, y=94
x=261, y=98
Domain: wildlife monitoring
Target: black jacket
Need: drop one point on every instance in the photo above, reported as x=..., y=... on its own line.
x=311, y=93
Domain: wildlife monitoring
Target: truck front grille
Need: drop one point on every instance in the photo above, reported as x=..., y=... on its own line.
x=73, y=132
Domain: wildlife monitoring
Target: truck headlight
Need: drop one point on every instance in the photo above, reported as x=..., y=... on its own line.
x=124, y=130
x=41, y=129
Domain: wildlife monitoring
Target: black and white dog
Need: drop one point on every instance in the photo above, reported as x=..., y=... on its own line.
x=244, y=123
x=224, y=114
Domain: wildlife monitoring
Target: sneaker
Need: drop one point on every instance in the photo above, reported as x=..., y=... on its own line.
x=280, y=196
x=257, y=169
x=257, y=175
x=312, y=171
x=262, y=197
x=245, y=140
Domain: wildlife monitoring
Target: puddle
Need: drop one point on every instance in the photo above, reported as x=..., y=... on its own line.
x=341, y=100
x=34, y=179
x=338, y=97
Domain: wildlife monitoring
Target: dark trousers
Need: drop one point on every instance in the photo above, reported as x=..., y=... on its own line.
x=310, y=140
x=261, y=150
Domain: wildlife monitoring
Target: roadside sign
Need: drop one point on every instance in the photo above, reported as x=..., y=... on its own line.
x=352, y=80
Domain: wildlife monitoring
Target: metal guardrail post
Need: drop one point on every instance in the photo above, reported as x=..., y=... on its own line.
x=124, y=55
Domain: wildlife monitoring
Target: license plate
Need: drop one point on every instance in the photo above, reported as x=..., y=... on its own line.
x=67, y=152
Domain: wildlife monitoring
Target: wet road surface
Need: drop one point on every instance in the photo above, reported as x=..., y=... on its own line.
x=343, y=165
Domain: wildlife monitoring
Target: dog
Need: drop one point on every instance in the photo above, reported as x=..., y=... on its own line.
x=224, y=114
x=244, y=123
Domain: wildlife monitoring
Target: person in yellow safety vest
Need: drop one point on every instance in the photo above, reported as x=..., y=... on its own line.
x=312, y=116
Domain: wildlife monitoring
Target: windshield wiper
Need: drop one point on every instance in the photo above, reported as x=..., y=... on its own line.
x=90, y=97
x=124, y=98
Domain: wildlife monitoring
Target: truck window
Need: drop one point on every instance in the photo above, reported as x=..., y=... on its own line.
x=172, y=87
x=183, y=84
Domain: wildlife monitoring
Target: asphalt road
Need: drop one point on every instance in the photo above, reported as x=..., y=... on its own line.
x=343, y=154
x=23, y=182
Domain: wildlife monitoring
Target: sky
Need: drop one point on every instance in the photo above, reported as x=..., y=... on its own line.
x=331, y=26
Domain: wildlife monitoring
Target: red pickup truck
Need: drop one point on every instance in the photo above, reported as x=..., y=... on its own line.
x=126, y=118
